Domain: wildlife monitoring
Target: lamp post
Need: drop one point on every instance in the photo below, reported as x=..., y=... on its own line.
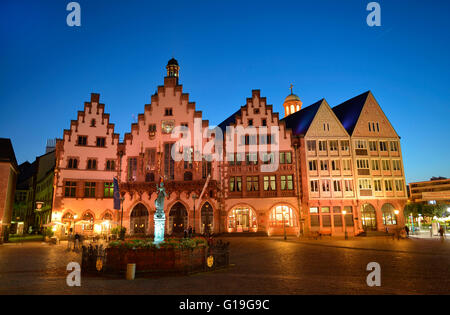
x=396, y=216
x=344, y=212
x=39, y=205
x=194, y=197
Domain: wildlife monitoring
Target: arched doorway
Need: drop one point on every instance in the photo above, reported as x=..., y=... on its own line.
x=389, y=217
x=283, y=215
x=369, y=217
x=139, y=219
x=207, y=218
x=178, y=218
x=242, y=219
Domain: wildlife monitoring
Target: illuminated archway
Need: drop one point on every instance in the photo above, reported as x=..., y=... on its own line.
x=368, y=217
x=242, y=219
x=178, y=218
x=283, y=214
x=389, y=217
x=139, y=219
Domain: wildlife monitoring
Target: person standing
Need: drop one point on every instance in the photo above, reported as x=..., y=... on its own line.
x=407, y=230
x=441, y=232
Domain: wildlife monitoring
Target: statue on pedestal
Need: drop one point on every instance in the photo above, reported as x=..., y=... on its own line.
x=160, y=217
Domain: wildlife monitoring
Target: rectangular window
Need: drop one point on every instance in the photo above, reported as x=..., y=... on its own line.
x=168, y=112
x=152, y=128
x=89, y=189
x=360, y=144
x=110, y=165
x=377, y=185
x=311, y=144
x=348, y=185
x=270, y=183
x=375, y=165
x=312, y=165
x=362, y=163
x=82, y=140
x=322, y=145
x=394, y=146
x=345, y=145
x=315, y=220
x=399, y=185
x=314, y=210
x=324, y=165
x=386, y=165
x=326, y=220
x=252, y=183
x=396, y=166
x=346, y=165
x=70, y=189
x=333, y=145
x=236, y=183
x=337, y=185
x=91, y=164
x=132, y=169
x=388, y=185
x=286, y=182
x=108, y=190
x=285, y=157
x=335, y=165
x=337, y=218
x=251, y=158
x=365, y=183
x=325, y=185
x=230, y=158
x=101, y=142
x=383, y=146
x=372, y=145
x=169, y=163
x=314, y=184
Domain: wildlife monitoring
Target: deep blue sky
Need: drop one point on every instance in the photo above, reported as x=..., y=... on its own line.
x=226, y=49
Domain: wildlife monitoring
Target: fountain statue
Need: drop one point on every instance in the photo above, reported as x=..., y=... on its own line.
x=160, y=217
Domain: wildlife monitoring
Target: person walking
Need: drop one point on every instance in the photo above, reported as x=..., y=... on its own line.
x=77, y=242
x=407, y=230
x=441, y=232
x=190, y=231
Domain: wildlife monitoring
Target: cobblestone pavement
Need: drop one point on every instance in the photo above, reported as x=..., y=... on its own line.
x=259, y=266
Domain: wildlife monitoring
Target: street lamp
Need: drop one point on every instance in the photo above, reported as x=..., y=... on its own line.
x=39, y=205
x=344, y=212
x=396, y=216
x=284, y=223
x=194, y=197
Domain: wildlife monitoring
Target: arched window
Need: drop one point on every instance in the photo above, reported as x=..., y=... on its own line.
x=107, y=216
x=283, y=215
x=389, y=217
x=287, y=110
x=292, y=109
x=368, y=217
x=88, y=224
x=67, y=217
x=187, y=176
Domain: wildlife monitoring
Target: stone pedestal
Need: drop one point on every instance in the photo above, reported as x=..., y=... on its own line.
x=159, y=229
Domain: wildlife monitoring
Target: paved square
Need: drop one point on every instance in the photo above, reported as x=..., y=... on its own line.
x=259, y=266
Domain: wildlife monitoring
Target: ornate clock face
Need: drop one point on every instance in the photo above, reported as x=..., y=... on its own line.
x=167, y=126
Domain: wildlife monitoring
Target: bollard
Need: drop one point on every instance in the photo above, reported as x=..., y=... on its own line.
x=131, y=270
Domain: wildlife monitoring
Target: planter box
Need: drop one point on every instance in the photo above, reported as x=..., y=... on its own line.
x=160, y=261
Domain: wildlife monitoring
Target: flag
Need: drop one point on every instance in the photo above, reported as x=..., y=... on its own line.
x=116, y=194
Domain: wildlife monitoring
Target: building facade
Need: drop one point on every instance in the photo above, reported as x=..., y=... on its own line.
x=8, y=178
x=322, y=169
x=434, y=191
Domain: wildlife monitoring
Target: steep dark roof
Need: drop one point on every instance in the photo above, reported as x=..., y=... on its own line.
x=230, y=120
x=7, y=152
x=300, y=121
x=26, y=171
x=349, y=111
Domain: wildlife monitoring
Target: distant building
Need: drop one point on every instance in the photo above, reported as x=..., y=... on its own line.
x=8, y=179
x=434, y=191
x=34, y=194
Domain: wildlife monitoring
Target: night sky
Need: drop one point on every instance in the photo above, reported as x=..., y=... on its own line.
x=226, y=49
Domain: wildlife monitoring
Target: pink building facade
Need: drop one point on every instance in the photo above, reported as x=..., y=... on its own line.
x=254, y=173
